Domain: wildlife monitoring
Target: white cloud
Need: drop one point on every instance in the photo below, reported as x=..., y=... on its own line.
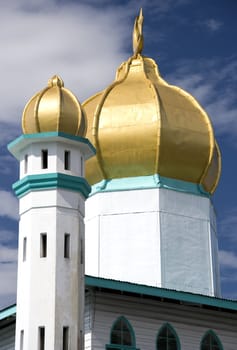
x=8, y=205
x=7, y=237
x=228, y=267
x=8, y=255
x=228, y=259
x=8, y=274
x=212, y=83
x=8, y=164
x=40, y=39
x=213, y=25
x=228, y=225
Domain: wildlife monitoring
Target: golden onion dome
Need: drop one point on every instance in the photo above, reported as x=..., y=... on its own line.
x=54, y=109
x=141, y=125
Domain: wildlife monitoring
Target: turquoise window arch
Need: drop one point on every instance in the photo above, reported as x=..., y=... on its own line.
x=167, y=338
x=210, y=341
x=122, y=336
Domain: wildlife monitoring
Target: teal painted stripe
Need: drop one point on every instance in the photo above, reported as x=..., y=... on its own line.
x=50, y=181
x=148, y=182
x=47, y=135
x=161, y=292
x=7, y=312
x=91, y=281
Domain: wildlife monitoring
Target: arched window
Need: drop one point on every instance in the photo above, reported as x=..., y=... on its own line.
x=122, y=336
x=210, y=341
x=167, y=339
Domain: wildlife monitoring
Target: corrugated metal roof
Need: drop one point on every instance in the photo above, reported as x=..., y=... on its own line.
x=185, y=297
x=141, y=289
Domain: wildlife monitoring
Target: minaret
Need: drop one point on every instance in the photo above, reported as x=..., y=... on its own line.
x=52, y=192
x=150, y=218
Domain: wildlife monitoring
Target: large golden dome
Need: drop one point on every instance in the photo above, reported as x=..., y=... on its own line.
x=141, y=125
x=54, y=109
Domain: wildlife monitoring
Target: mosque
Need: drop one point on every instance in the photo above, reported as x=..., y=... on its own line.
x=117, y=235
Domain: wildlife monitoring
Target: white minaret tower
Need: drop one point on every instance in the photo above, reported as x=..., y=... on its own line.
x=52, y=192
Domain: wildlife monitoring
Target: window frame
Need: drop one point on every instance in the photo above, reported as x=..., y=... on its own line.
x=67, y=160
x=41, y=338
x=82, y=166
x=214, y=335
x=67, y=246
x=22, y=339
x=43, y=245
x=24, y=249
x=112, y=346
x=44, y=158
x=171, y=328
x=26, y=163
x=66, y=338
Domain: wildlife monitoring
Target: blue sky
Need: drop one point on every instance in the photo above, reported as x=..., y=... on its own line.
x=194, y=44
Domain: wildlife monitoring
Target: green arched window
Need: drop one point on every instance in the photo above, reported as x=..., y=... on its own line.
x=210, y=341
x=167, y=339
x=122, y=336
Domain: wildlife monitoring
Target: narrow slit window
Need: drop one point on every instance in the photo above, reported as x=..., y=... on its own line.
x=44, y=158
x=65, y=338
x=43, y=245
x=26, y=164
x=67, y=160
x=82, y=252
x=41, y=338
x=66, y=245
x=82, y=166
x=22, y=340
x=24, y=248
x=81, y=340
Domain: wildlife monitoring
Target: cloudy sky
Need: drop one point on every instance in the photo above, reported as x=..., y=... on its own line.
x=194, y=44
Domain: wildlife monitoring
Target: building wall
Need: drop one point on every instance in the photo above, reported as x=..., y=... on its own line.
x=157, y=237
x=7, y=337
x=147, y=316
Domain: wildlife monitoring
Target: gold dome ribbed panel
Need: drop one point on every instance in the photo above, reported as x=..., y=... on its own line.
x=54, y=109
x=141, y=125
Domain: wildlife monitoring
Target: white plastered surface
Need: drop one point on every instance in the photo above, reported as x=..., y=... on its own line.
x=156, y=237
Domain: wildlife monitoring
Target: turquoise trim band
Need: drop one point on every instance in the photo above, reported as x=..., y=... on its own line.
x=46, y=135
x=147, y=182
x=51, y=181
x=140, y=289
x=8, y=312
x=16, y=146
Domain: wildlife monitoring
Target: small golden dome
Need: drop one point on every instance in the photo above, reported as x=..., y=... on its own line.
x=140, y=125
x=54, y=109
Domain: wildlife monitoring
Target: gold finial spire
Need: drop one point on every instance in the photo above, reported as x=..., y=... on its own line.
x=55, y=81
x=137, y=34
